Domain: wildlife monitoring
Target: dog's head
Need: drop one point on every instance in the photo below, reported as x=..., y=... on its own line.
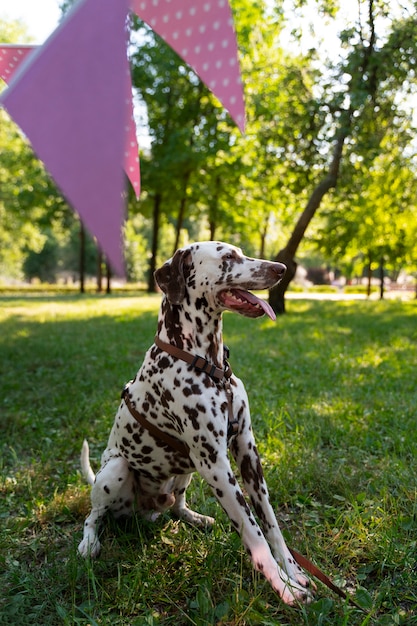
x=221, y=274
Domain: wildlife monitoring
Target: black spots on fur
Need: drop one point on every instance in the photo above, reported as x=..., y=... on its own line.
x=106, y=489
x=157, y=390
x=219, y=493
x=201, y=303
x=193, y=415
x=163, y=363
x=192, y=390
x=129, y=428
x=212, y=452
x=149, y=398
x=232, y=479
x=176, y=382
x=126, y=442
x=166, y=398
x=146, y=450
x=241, y=500
x=260, y=513
x=217, y=434
x=251, y=470
x=199, y=325
x=137, y=438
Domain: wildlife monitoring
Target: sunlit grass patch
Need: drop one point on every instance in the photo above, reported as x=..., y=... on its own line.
x=333, y=397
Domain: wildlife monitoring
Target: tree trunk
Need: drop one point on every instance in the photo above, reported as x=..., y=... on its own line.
x=369, y=275
x=213, y=209
x=156, y=215
x=287, y=254
x=381, y=279
x=181, y=211
x=367, y=85
x=99, y=270
x=108, y=278
x=82, y=258
x=263, y=234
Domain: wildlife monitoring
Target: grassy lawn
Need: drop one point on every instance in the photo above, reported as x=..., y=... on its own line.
x=333, y=390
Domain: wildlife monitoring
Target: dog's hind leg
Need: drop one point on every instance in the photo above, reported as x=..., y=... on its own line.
x=180, y=507
x=113, y=490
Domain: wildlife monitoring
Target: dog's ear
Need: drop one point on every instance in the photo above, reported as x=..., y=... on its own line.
x=171, y=276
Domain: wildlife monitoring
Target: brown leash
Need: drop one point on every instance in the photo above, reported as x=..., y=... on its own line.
x=201, y=364
x=312, y=569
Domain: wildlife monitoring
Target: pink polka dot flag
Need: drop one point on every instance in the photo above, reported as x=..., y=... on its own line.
x=72, y=97
x=201, y=32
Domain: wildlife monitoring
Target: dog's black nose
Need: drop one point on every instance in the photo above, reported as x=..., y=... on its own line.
x=280, y=269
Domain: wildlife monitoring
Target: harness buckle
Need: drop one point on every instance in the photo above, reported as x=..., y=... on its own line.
x=232, y=428
x=200, y=368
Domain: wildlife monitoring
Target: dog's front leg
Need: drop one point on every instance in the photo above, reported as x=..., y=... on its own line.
x=244, y=451
x=222, y=481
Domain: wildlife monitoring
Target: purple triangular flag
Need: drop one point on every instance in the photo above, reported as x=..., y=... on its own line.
x=70, y=101
x=11, y=58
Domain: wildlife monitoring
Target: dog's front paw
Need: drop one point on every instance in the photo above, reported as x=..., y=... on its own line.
x=89, y=548
x=294, y=593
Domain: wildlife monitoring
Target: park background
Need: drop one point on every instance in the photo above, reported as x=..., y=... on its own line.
x=325, y=176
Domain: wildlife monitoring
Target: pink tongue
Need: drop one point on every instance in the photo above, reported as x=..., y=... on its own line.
x=250, y=297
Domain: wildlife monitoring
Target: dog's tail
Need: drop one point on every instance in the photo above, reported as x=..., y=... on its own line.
x=85, y=464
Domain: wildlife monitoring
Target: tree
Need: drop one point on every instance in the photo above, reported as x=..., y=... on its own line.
x=375, y=217
x=361, y=102
x=188, y=131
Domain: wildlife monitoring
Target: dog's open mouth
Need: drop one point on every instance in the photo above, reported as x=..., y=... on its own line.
x=245, y=303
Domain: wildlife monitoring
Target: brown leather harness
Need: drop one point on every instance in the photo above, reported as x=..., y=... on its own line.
x=200, y=364
x=219, y=375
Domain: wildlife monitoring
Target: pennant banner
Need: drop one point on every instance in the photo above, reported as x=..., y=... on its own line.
x=202, y=33
x=11, y=58
x=71, y=103
x=72, y=97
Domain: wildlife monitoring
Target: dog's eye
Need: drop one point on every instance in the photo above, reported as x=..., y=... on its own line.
x=229, y=256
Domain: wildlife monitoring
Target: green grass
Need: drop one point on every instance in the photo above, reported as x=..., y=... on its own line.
x=333, y=392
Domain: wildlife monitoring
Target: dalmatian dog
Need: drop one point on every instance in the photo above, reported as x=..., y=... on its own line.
x=185, y=402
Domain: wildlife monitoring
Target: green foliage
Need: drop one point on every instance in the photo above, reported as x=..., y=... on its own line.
x=202, y=179
x=333, y=396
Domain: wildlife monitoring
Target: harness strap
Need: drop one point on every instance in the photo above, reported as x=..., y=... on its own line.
x=203, y=365
x=198, y=362
x=174, y=443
